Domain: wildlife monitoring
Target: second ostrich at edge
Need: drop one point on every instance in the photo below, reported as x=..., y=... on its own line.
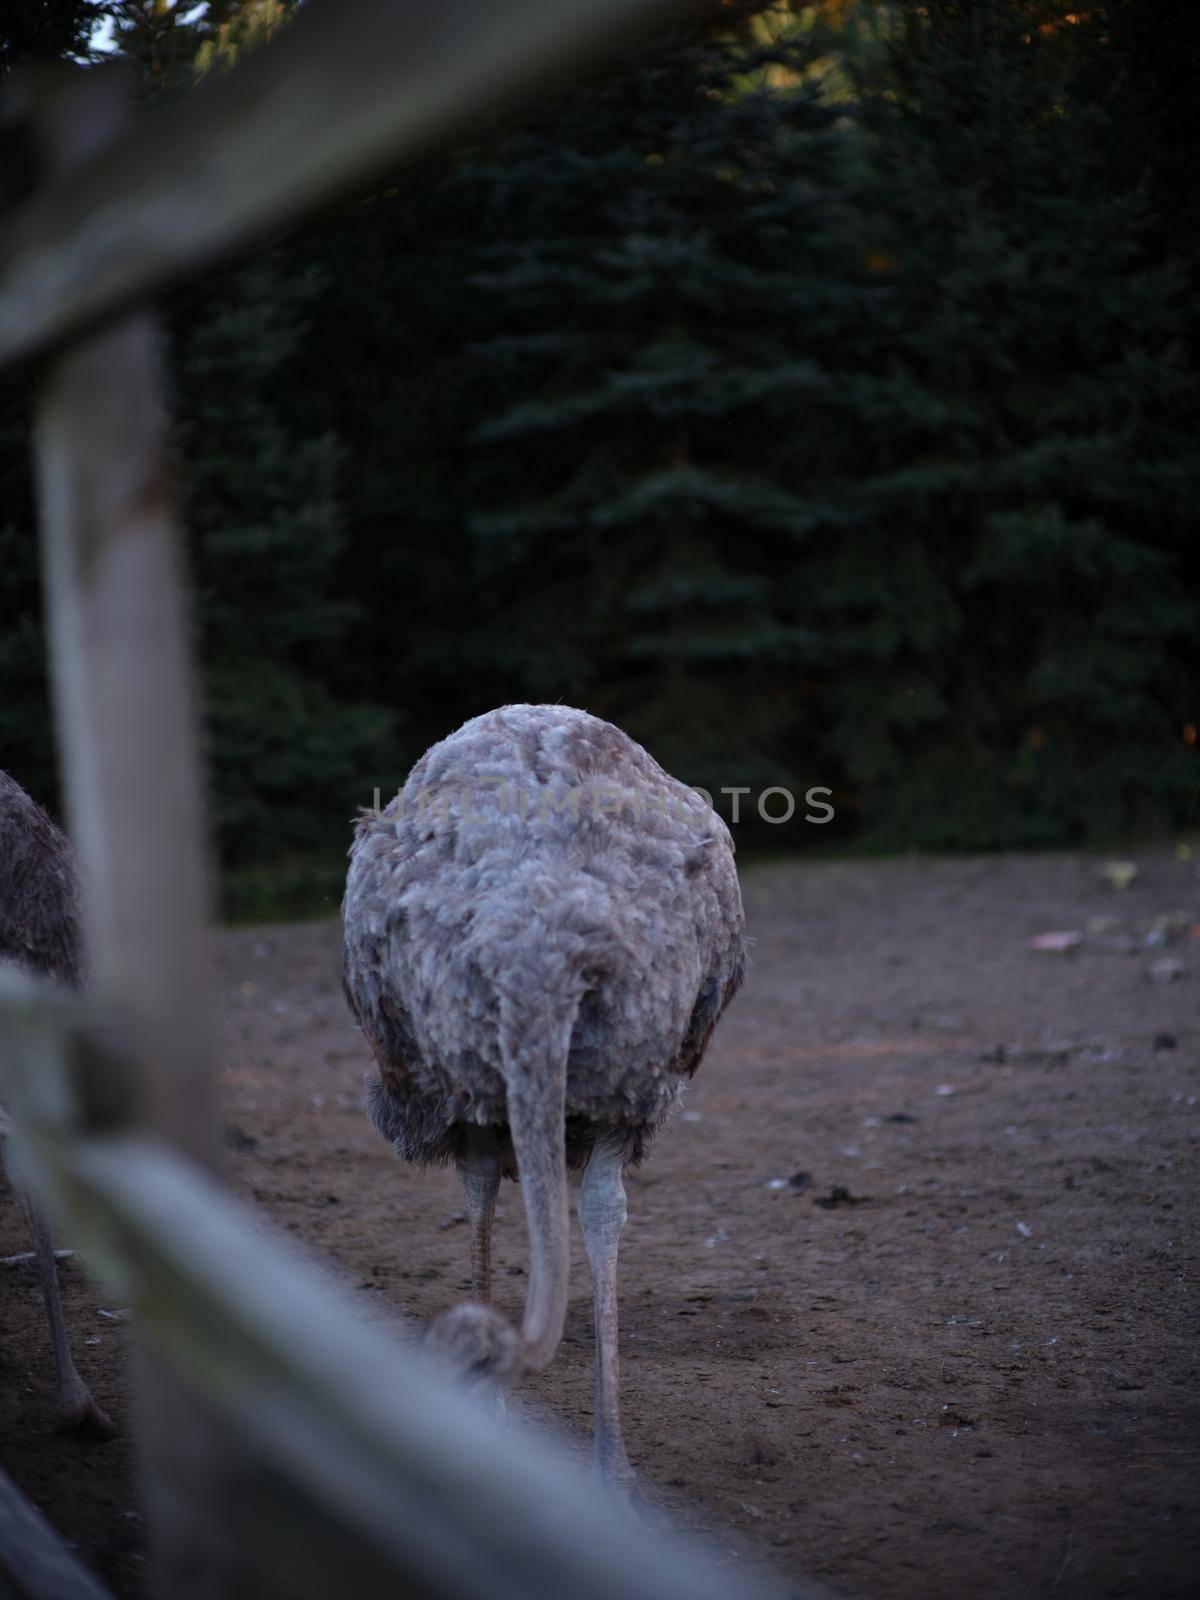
x=541, y=932
x=39, y=930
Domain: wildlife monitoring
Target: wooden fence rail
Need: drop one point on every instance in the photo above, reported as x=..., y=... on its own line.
x=345, y=90
x=35, y=1564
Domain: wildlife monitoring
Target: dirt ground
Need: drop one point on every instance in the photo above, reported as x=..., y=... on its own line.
x=956, y=1350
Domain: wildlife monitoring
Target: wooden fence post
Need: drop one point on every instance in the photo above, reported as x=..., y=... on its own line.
x=126, y=719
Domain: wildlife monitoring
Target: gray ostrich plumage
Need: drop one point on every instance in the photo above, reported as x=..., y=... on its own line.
x=39, y=895
x=541, y=932
x=39, y=930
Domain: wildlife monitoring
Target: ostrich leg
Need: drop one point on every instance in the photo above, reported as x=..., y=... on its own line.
x=480, y=1173
x=76, y=1408
x=601, y=1216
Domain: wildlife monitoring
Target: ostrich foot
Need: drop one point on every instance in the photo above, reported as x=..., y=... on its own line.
x=79, y=1414
x=611, y=1470
x=476, y=1343
x=623, y=1486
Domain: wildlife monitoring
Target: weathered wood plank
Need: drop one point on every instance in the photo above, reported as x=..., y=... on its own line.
x=341, y=92
x=121, y=673
x=65, y=1060
x=438, y=1495
x=35, y=1564
x=38, y=1023
x=128, y=743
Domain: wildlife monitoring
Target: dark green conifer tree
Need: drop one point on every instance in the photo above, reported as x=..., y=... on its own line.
x=666, y=285
x=289, y=759
x=386, y=364
x=1011, y=623
x=49, y=30
x=26, y=743
x=292, y=752
x=46, y=30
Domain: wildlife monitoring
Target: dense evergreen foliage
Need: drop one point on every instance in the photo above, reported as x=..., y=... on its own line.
x=26, y=746
x=665, y=291
x=815, y=406
x=45, y=29
x=1012, y=619
x=287, y=755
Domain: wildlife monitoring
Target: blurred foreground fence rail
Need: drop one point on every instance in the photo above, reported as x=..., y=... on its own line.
x=339, y=95
x=286, y=1447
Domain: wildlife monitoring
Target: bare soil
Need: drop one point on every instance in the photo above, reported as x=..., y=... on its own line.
x=957, y=1350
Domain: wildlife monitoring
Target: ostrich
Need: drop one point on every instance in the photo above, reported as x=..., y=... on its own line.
x=541, y=932
x=39, y=929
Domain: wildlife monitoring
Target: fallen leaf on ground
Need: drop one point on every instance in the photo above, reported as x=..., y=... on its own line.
x=1119, y=873
x=1066, y=939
